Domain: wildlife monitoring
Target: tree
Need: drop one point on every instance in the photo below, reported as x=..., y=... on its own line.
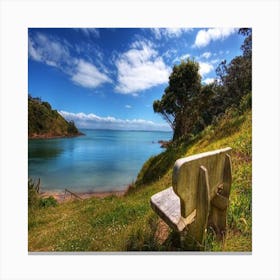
x=72, y=129
x=236, y=77
x=179, y=103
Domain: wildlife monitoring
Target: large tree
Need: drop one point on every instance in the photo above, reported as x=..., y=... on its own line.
x=236, y=77
x=179, y=104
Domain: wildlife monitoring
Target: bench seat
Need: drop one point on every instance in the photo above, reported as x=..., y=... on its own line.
x=167, y=205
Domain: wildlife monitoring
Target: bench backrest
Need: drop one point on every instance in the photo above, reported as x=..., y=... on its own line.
x=186, y=174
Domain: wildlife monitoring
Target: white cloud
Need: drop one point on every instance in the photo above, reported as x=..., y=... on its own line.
x=169, y=53
x=93, y=121
x=205, y=68
x=55, y=53
x=140, y=68
x=33, y=52
x=185, y=56
x=182, y=57
x=87, y=75
x=208, y=81
x=204, y=37
x=206, y=55
x=128, y=106
x=169, y=32
x=89, y=31
x=49, y=51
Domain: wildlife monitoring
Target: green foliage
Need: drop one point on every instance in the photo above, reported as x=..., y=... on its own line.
x=34, y=199
x=236, y=77
x=129, y=224
x=33, y=194
x=189, y=106
x=72, y=129
x=157, y=166
x=144, y=238
x=47, y=202
x=178, y=104
x=45, y=122
x=245, y=103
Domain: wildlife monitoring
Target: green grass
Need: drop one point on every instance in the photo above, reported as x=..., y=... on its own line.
x=129, y=224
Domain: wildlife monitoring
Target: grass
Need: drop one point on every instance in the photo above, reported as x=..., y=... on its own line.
x=128, y=224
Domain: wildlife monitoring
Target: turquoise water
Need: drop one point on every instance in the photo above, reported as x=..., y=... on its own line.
x=102, y=160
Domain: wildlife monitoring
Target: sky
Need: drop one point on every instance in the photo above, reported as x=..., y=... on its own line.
x=108, y=78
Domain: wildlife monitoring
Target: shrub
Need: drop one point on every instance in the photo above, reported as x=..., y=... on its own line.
x=47, y=202
x=33, y=193
x=34, y=200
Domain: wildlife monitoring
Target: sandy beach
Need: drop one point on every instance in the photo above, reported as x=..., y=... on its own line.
x=63, y=196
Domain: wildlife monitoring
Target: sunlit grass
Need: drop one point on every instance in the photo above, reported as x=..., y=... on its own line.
x=129, y=224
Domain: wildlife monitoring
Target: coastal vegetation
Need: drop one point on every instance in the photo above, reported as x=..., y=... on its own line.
x=128, y=223
x=189, y=106
x=44, y=122
x=220, y=117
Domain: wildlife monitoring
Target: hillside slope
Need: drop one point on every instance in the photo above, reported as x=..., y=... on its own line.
x=43, y=122
x=128, y=223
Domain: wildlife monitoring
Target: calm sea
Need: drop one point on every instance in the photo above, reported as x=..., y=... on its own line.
x=102, y=160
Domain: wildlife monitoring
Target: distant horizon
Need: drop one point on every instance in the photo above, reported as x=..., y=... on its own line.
x=109, y=77
x=130, y=130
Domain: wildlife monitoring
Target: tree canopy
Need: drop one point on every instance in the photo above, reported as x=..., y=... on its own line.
x=177, y=103
x=188, y=105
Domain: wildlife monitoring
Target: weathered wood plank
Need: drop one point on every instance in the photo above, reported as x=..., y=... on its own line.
x=199, y=196
x=167, y=205
x=186, y=174
x=220, y=202
x=197, y=229
x=218, y=213
x=74, y=194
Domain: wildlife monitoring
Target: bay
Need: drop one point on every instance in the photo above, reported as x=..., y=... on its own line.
x=101, y=160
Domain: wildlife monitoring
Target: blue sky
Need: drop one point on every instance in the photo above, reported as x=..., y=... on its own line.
x=109, y=77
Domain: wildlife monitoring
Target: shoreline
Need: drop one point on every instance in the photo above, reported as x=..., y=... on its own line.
x=47, y=136
x=63, y=196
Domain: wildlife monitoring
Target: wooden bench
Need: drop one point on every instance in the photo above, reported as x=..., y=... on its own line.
x=199, y=195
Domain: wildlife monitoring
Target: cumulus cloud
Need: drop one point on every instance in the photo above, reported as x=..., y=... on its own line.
x=140, y=68
x=93, y=121
x=87, y=75
x=49, y=51
x=169, y=32
x=206, y=55
x=182, y=57
x=205, y=68
x=56, y=53
x=204, y=37
x=128, y=106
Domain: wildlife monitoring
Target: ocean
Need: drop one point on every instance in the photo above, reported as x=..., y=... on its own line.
x=99, y=161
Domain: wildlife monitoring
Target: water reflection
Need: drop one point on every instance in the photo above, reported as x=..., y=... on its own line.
x=44, y=149
x=100, y=160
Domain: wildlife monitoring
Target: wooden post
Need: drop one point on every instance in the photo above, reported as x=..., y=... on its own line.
x=219, y=204
x=196, y=230
x=72, y=193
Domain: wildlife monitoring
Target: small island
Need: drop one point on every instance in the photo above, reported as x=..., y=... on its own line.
x=44, y=122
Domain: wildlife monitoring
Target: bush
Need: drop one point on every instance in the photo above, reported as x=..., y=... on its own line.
x=47, y=202
x=245, y=103
x=33, y=193
x=157, y=166
x=34, y=200
x=72, y=129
